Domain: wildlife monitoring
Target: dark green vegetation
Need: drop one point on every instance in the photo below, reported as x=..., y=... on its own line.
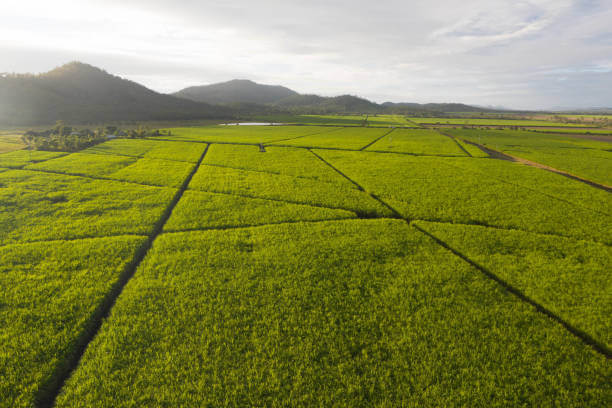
x=236, y=91
x=80, y=93
x=67, y=139
x=590, y=159
x=83, y=94
x=303, y=266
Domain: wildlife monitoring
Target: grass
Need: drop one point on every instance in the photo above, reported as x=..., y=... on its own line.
x=348, y=313
x=37, y=206
x=50, y=293
x=417, y=141
x=566, y=276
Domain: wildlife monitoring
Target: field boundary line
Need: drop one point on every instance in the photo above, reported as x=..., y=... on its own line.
x=308, y=134
x=580, y=334
x=505, y=156
x=20, y=167
x=456, y=142
x=135, y=157
x=512, y=229
x=264, y=172
x=344, y=149
x=359, y=187
x=95, y=322
x=279, y=200
x=478, y=172
x=376, y=140
x=520, y=127
x=101, y=178
x=85, y=237
x=234, y=227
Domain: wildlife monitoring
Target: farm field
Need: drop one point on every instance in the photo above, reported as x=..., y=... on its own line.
x=418, y=142
x=346, y=138
x=590, y=159
x=577, y=131
x=307, y=266
x=492, y=122
x=9, y=146
x=344, y=120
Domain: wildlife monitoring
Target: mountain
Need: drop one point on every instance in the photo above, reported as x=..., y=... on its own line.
x=245, y=96
x=314, y=104
x=236, y=91
x=81, y=93
x=242, y=93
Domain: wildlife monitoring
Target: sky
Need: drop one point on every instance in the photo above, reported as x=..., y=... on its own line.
x=533, y=54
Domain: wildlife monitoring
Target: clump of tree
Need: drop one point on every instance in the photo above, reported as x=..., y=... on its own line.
x=68, y=139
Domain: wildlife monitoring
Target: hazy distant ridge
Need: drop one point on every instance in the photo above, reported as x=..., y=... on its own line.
x=81, y=93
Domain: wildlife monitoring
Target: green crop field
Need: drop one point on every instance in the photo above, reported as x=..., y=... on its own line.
x=590, y=159
x=577, y=131
x=308, y=265
x=491, y=122
x=346, y=138
x=344, y=120
x=418, y=141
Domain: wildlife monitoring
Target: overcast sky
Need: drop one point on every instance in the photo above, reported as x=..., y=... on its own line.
x=518, y=54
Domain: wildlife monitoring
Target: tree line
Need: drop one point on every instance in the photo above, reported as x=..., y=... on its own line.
x=65, y=138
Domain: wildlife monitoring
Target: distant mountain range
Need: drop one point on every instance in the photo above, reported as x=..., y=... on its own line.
x=236, y=91
x=239, y=92
x=80, y=93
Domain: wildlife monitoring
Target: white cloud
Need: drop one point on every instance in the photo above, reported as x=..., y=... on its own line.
x=475, y=51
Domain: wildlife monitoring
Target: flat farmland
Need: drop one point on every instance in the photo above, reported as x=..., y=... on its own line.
x=590, y=159
x=491, y=122
x=307, y=266
x=418, y=142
